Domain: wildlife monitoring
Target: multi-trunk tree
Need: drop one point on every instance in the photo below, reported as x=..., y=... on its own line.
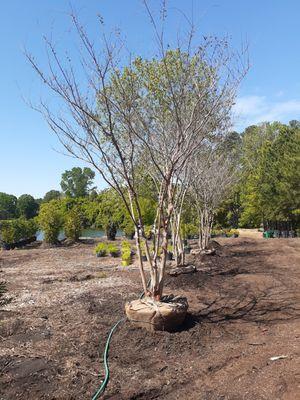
x=213, y=175
x=126, y=115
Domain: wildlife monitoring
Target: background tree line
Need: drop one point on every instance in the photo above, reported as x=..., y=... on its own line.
x=267, y=191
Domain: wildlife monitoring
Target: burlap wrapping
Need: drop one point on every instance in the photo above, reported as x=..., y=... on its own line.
x=157, y=315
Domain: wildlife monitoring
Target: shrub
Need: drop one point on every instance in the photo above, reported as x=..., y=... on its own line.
x=218, y=232
x=8, y=234
x=126, y=253
x=50, y=220
x=113, y=250
x=159, y=250
x=148, y=231
x=143, y=249
x=232, y=232
x=190, y=231
x=15, y=230
x=125, y=245
x=170, y=248
x=101, y=250
x=126, y=257
x=73, y=223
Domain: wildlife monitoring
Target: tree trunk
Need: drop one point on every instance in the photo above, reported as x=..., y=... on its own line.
x=139, y=252
x=206, y=221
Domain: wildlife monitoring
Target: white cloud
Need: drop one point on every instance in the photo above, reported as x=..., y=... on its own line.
x=250, y=110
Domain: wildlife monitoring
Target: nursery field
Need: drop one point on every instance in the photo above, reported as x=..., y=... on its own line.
x=240, y=339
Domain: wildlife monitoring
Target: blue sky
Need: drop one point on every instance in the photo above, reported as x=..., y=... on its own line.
x=30, y=161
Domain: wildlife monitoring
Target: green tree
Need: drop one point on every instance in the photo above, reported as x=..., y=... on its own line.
x=270, y=184
x=77, y=182
x=50, y=220
x=109, y=212
x=27, y=206
x=8, y=206
x=51, y=195
x=73, y=223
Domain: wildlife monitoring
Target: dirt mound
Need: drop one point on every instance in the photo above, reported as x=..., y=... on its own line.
x=194, y=280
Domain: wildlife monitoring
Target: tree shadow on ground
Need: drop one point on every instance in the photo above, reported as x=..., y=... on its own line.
x=267, y=307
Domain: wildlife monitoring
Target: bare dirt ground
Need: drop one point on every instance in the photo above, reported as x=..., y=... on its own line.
x=244, y=310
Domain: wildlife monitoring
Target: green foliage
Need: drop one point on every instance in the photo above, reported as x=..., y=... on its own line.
x=101, y=249
x=27, y=206
x=158, y=252
x=128, y=229
x=8, y=206
x=217, y=232
x=170, y=248
x=148, y=231
x=271, y=174
x=225, y=232
x=113, y=250
x=51, y=195
x=77, y=182
x=143, y=248
x=106, y=212
x=232, y=232
x=126, y=253
x=73, y=223
x=12, y=231
x=189, y=230
x=50, y=220
x=125, y=245
x=229, y=212
x=126, y=257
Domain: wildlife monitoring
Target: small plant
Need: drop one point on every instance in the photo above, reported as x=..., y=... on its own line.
x=101, y=250
x=113, y=250
x=126, y=253
x=126, y=258
x=231, y=232
x=125, y=245
x=189, y=231
x=158, y=252
x=234, y=232
x=148, y=231
x=143, y=251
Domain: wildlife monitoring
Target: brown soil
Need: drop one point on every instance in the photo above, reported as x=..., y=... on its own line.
x=244, y=309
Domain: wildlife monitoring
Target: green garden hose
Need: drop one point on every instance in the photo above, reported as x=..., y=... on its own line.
x=103, y=385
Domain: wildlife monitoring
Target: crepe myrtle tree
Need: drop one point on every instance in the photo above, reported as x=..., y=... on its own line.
x=176, y=218
x=213, y=174
x=122, y=112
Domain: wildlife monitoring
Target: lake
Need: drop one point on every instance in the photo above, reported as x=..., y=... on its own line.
x=86, y=233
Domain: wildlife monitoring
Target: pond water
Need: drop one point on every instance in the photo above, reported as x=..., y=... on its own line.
x=86, y=233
